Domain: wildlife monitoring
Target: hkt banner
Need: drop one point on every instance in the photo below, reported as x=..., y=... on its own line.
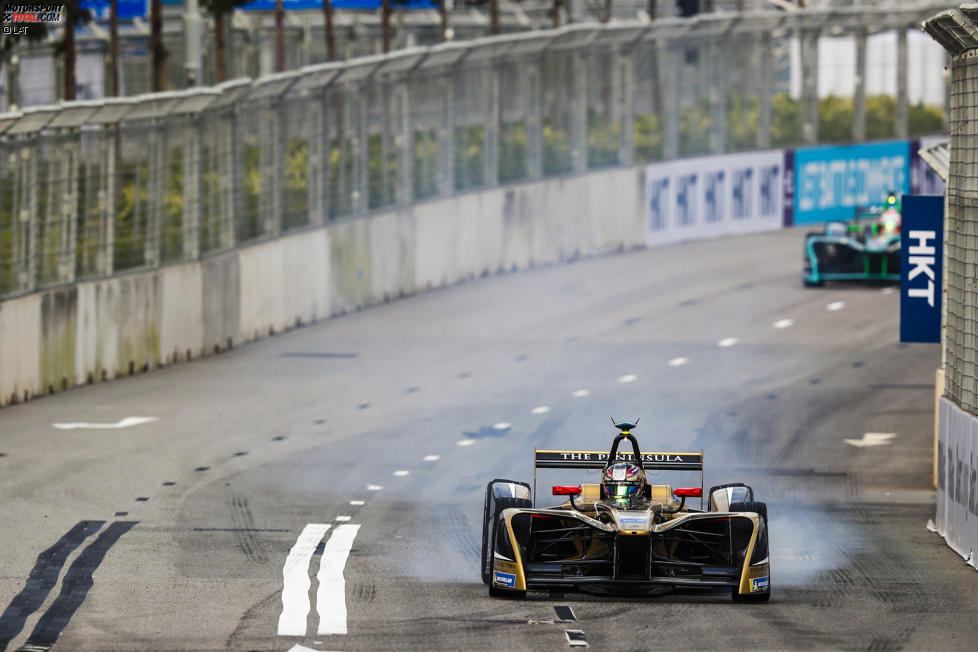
x=921, y=258
x=717, y=195
x=832, y=182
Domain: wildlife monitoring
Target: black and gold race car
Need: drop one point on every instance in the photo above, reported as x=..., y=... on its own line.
x=625, y=535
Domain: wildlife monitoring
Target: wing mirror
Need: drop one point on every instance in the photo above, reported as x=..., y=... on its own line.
x=566, y=491
x=687, y=492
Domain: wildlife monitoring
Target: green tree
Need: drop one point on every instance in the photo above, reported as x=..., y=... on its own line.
x=220, y=10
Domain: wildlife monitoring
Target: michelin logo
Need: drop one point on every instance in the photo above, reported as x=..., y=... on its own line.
x=504, y=579
x=758, y=584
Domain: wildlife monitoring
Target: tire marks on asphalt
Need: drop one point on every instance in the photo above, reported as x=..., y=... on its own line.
x=42, y=579
x=74, y=588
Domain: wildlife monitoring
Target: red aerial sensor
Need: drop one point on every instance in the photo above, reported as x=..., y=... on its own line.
x=689, y=492
x=566, y=491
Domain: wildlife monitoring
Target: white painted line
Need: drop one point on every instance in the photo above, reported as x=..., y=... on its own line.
x=303, y=648
x=357, y=502
x=432, y=458
x=872, y=439
x=784, y=323
x=295, y=576
x=575, y=637
x=889, y=289
x=678, y=362
x=401, y=473
x=331, y=597
x=835, y=305
x=502, y=425
x=727, y=341
x=343, y=519
x=128, y=422
x=580, y=393
x=465, y=442
x=374, y=487
x=627, y=378
x=542, y=409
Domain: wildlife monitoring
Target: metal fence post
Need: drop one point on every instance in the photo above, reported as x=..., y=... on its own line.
x=29, y=216
x=230, y=178
x=534, y=121
x=669, y=62
x=361, y=151
x=764, y=91
x=106, y=257
x=69, y=220
x=809, y=80
x=404, y=139
x=446, y=136
x=276, y=149
x=318, y=158
x=625, y=101
x=193, y=138
x=902, y=103
x=859, y=94
x=718, y=98
x=157, y=142
x=490, y=148
x=578, y=112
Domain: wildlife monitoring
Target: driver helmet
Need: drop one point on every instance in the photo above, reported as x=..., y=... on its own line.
x=622, y=481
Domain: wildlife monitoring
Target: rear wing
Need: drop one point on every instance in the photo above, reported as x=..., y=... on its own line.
x=550, y=459
x=545, y=459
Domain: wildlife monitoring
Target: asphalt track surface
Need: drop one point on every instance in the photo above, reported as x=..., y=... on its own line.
x=174, y=534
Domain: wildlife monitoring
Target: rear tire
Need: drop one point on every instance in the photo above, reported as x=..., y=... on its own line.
x=760, y=509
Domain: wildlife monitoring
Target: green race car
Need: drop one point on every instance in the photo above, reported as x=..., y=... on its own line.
x=858, y=250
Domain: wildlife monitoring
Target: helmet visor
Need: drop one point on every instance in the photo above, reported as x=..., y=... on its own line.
x=622, y=490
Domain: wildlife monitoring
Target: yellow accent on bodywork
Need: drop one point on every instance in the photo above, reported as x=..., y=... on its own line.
x=749, y=572
x=520, y=584
x=661, y=493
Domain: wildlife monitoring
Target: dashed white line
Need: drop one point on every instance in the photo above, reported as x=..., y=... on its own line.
x=678, y=362
x=465, y=442
x=727, y=341
x=502, y=425
x=343, y=519
x=357, y=503
x=835, y=305
x=401, y=473
x=374, y=487
x=541, y=409
x=889, y=289
x=432, y=458
x=627, y=378
x=331, y=597
x=580, y=393
x=784, y=323
x=295, y=578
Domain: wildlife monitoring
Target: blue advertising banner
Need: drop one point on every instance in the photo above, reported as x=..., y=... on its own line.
x=299, y=5
x=832, y=182
x=921, y=264
x=127, y=9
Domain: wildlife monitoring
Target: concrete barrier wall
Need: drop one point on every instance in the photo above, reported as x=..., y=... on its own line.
x=956, y=517
x=99, y=330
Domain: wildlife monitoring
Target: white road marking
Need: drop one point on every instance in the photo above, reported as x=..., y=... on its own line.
x=432, y=458
x=627, y=378
x=303, y=648
x=835, y=305
x=575, y=637
x=465, y=442
x=128, y=422
x=872, y=439
x=542, y=409
x=784, y=323
x=357, y=502
x=401, y=473
x=889, y=289
x=580, y=393
x=331, y=597
x=728, y=341
x=374, y=487
x=678, y=362
x=502, y=425
x=343, y=519
x=295, y=576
